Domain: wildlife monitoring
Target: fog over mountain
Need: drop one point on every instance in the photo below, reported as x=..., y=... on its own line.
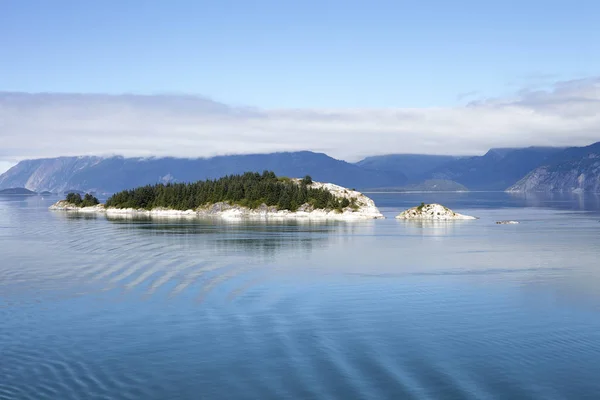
x=526, y=169
x=35, y=125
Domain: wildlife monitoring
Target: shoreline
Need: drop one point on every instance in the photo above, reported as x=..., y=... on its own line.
x=229, y=212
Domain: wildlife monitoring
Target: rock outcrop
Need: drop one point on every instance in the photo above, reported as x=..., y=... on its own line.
x=431, y=212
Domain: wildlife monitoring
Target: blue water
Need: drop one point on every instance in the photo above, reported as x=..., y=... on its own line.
x=92, y=308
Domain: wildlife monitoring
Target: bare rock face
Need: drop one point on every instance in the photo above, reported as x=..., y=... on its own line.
x=431, y=212
x=576, y=169
x=568, y=179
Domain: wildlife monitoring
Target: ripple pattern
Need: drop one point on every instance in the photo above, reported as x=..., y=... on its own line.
x=94, y=308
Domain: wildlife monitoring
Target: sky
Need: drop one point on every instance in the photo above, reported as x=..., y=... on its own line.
x=350, y=78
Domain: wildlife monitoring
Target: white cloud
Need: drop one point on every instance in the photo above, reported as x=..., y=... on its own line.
x=49, y=125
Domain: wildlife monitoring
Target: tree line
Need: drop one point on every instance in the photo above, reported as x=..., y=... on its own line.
x=87, y=201
x=250, y=189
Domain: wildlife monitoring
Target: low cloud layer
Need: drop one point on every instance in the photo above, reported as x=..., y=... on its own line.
x=49, y=125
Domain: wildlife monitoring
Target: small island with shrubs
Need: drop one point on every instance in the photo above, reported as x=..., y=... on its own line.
x=431, y=212
x=250, y=194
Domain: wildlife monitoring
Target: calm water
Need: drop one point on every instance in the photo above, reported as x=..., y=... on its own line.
x=92, y=308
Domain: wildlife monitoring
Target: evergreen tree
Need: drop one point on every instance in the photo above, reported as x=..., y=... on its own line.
x=250, y=189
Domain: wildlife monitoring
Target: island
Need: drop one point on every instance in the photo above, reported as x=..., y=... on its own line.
x=248, y=195
x=431, y=212
x=18, y=191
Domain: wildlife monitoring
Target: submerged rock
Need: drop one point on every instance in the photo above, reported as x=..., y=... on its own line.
x=431, y=212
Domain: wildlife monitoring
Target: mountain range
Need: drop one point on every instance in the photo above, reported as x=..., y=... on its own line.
x=574, y=169
x=513, y=169
x=112, y=174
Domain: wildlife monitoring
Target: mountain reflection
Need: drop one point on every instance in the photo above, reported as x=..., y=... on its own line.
x=559, y=200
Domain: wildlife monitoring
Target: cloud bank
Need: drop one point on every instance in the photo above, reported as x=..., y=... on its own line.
x=34, y=125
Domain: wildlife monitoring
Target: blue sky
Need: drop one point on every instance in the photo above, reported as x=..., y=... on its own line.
x=348, y=78
x=288, y=54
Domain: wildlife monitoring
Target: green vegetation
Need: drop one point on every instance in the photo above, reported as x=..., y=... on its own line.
x=420, y=208
x=251, y=190
x=87, y=201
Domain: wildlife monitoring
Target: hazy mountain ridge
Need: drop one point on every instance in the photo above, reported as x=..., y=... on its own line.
x=113, y=174
x=574, y=169
x=414, y=166
x=496, y=170
x=430, y=185
x=18, y=191
x=45, y=174
x=527, y=169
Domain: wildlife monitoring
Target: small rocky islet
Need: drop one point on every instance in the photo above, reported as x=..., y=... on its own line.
x=433, y=212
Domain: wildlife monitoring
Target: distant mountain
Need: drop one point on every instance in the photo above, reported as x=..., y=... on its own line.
x=19, y=191
x=573, y=169
x=47, y=174
x=527, y=169
x=430, y=185
x=414, y=166
x=496, y=170
x=108, y=175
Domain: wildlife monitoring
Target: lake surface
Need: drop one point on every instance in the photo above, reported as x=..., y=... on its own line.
x=92, y=308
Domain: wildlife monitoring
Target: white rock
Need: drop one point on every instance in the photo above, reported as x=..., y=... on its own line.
x=507, y=222
x=431, y=212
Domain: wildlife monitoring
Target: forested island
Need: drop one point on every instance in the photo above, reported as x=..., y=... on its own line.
x=248, y=190
x=248, y=194
x=87, y=201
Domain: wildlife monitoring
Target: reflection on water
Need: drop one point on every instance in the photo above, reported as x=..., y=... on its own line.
x=565, y=201
x=433, y=227
x=96, y=307
x=76, y=216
